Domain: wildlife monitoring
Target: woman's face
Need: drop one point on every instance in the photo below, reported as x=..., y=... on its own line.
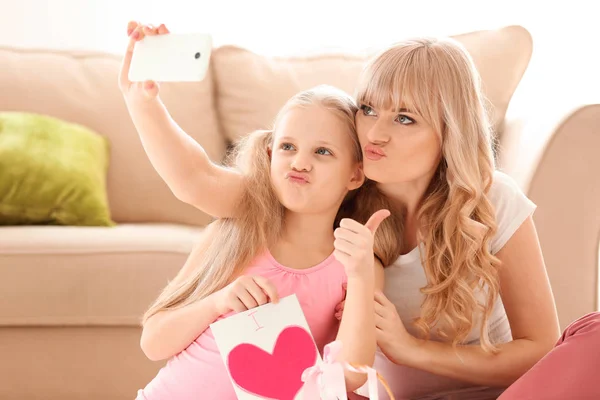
x=398, y=145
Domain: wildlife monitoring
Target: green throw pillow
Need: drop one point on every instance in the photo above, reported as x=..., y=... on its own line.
x=52, y=172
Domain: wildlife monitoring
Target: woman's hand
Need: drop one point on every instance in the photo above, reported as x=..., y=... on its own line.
x=354, y=244
x=339, y=309
x=244, y=293
x=138, y=90
x=392, y=338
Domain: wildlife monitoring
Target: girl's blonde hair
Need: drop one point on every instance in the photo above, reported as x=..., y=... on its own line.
x=437, y=79
x=228, y=245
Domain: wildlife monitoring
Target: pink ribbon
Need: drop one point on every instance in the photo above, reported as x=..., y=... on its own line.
x=326, y=381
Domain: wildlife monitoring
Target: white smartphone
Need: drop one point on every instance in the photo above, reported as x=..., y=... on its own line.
x=172, y=57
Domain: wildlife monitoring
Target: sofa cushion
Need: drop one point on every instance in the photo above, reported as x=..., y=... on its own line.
x=54, y=275
x=81, y=87
x=51, y=172
x=252, y=88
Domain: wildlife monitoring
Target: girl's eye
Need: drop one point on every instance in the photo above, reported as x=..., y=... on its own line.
x=367, y=110
x=404, y=120
x=287, y=146
x=323, y=151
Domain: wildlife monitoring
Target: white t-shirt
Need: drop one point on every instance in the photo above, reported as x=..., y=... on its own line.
x=406, y=276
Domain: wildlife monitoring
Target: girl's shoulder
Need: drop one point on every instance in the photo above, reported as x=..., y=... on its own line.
x=511, y=206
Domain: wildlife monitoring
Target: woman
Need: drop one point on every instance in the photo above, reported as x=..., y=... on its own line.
x=468, y=238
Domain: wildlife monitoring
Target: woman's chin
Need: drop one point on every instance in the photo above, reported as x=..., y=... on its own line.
x=376, y=173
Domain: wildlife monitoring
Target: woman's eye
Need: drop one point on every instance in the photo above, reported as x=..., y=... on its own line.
x=367, y=110
x=404, y=120
x=287, y=146
x=323, y=151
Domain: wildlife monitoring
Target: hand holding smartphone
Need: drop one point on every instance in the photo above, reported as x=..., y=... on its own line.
x=156, y=55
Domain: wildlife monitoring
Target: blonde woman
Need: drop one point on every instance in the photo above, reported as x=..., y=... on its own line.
x=467, y=308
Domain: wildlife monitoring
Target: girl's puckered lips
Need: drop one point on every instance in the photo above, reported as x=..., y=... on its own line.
x=297, y=177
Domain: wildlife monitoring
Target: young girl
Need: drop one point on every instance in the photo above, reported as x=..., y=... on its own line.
x=286, y=188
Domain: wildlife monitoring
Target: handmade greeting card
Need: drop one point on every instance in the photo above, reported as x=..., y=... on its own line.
x=267, y=349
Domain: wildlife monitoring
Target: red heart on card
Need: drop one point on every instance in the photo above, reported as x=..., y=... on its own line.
x=274, y=375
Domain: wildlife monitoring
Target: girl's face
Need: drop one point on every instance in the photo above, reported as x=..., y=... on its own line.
x=312, y=160
x=398, y=145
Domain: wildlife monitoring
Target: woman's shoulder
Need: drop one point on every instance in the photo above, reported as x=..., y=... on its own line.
x=503, y=186
x=511, y=206
x=505, y=191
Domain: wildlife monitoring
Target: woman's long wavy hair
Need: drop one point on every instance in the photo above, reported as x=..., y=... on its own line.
x=228, y=245
x=437, y=79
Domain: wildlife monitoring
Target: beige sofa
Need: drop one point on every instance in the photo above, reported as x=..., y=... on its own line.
x=71, y=297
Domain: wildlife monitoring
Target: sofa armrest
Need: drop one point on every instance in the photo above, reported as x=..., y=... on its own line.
x=553, y=155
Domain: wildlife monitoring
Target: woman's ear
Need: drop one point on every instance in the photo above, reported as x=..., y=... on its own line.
x=358, y=178
x=270, y=151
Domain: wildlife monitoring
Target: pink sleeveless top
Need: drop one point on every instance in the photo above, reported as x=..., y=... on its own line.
x=198, y=372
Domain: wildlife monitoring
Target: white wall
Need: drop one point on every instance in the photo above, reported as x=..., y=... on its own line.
x=566, y=59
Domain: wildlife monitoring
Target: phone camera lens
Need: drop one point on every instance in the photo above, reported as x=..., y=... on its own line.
x=197, y=55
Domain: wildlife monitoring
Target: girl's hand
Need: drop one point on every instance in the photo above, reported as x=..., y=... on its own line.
x=354, y=244
x=138, y=90
x=244, y=293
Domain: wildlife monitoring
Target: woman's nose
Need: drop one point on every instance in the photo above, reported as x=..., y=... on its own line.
x=378, y=133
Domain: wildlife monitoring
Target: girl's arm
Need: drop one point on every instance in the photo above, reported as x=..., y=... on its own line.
x=356, y=328
x=354, y=249
x=180, y=161
x=530, y=308
x=168, y=332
